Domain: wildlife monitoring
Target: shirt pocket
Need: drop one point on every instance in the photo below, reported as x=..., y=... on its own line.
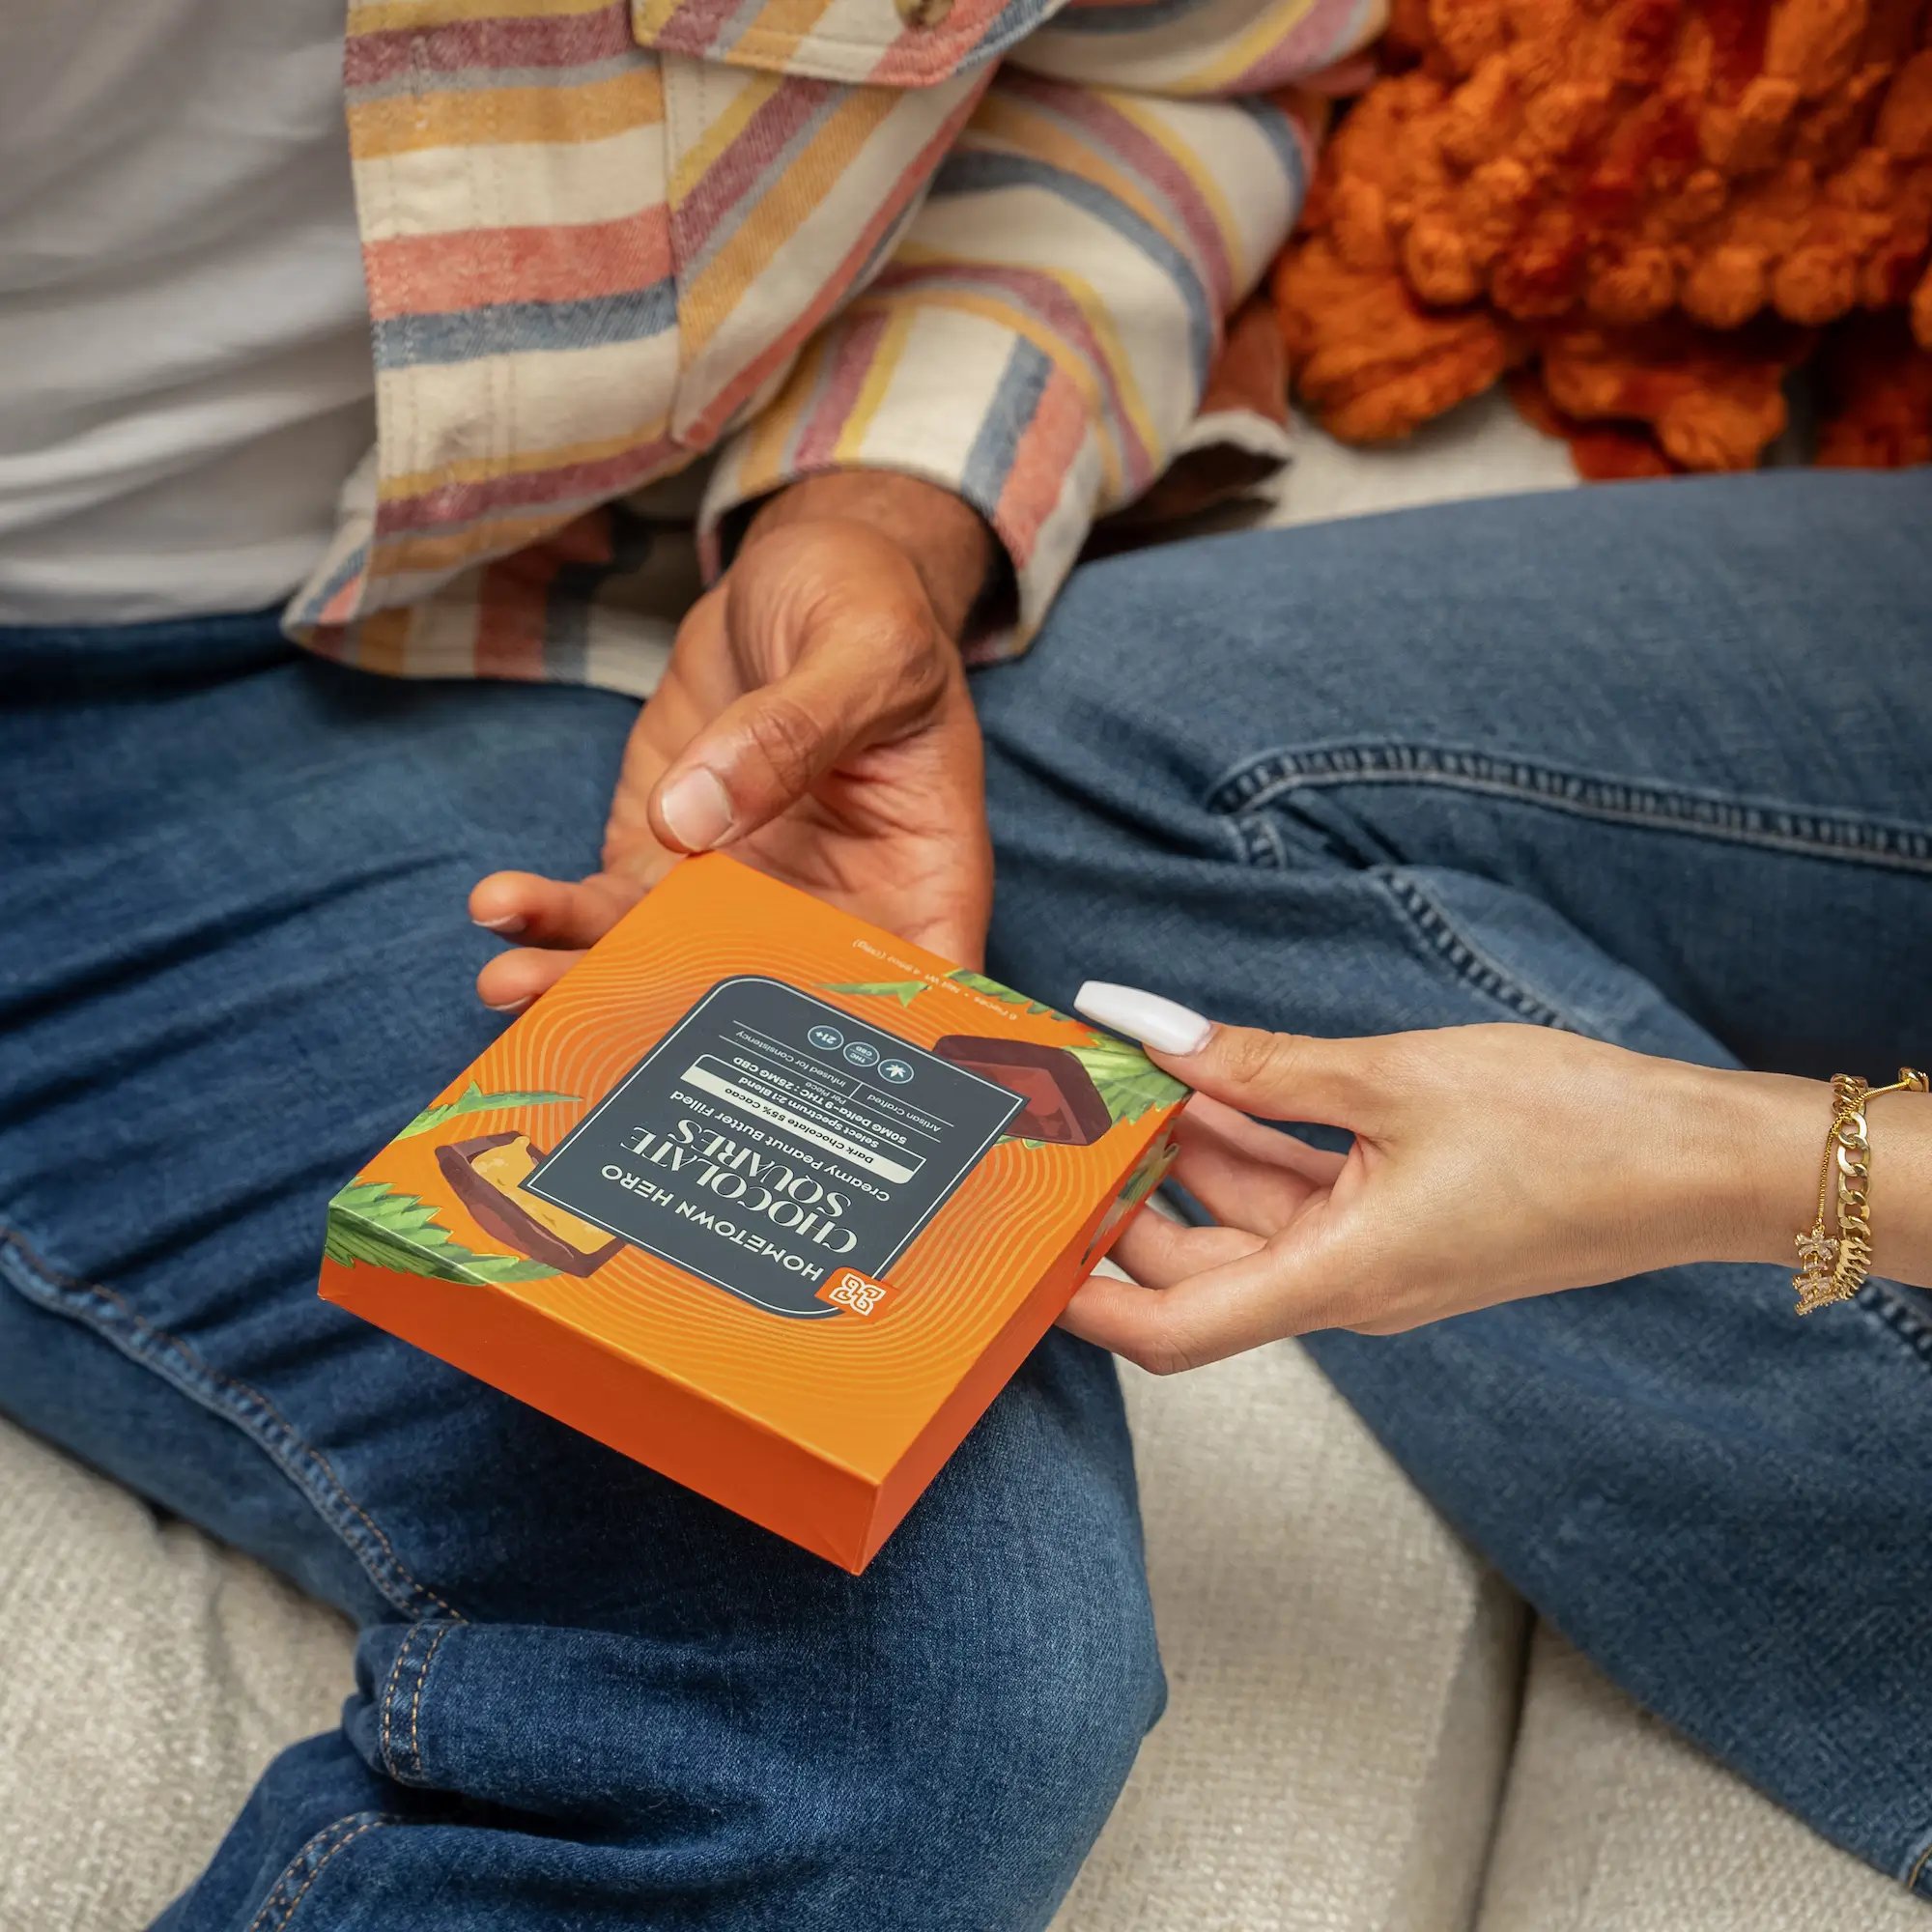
x=786, y=195
x=880, y=42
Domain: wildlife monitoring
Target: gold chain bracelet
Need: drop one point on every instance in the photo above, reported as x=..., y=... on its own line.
x=1832, y=1267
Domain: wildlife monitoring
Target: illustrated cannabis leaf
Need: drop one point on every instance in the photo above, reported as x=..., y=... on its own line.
x=1127, y=1079
x=1149, y=1173
x=905, y=992
x=964, y=975
x=499, y=1268
x=474, y=1101
x=375, y=1224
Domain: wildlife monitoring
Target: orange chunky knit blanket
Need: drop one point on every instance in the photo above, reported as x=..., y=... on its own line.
x=1645, y=213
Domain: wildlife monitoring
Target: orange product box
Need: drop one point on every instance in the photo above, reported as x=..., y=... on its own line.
x=761, y=1196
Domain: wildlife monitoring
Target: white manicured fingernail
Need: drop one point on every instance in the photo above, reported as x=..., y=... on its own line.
x=698, y=809
x=1165, y=1025
x=511, y=922
x=510, y=1006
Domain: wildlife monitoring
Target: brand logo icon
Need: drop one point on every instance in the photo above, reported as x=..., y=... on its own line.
x=848, y=1289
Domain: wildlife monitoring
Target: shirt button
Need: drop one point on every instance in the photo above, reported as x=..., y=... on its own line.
x=922, y=13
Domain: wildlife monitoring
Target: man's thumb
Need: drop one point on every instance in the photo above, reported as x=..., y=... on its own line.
x=757, y=759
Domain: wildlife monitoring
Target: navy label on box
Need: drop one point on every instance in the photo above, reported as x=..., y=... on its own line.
x=769, y=1141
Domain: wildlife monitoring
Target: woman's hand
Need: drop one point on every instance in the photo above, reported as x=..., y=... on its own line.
x=814, y=722
x=1490, y=1162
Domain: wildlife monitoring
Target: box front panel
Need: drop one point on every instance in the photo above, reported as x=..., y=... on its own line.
x=770, y=1139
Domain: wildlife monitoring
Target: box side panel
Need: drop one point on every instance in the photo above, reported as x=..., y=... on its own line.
x=621, y=1402
x=987, y=1376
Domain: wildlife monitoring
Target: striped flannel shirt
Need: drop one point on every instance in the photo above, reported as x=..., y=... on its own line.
x=634, y=264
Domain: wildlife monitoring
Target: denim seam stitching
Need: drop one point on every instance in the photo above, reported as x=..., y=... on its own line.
x=404, y=1764
x=307, y=1858
x=1257, y=841
x=1814, y=834
x=1436, y=930
x=384, y=1747
x=240, y=1404
x=416, y=1698
x=301, y=1864
x=1922, y=1853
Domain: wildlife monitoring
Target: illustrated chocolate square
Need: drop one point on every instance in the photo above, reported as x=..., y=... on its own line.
x=1061, y=1102
x=487, y=1175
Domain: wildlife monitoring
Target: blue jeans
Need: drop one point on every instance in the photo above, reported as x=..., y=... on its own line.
x=1649, y=762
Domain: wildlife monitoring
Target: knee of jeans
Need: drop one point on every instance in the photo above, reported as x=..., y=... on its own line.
x=1050, y=1688
x=967, y=1744
x=964, y=1713
x=1032, y=1536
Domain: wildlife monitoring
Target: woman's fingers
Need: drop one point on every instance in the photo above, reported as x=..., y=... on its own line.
x=1238, y=1190
x=1186, y=1326
x=1490, y=1162
x=1119, y=1314
x=1287, y=1285
x=1272, y=1145
x=1286, y=1076
x=1283, y=1076
x=1244, y=1173
x=1158, y=1252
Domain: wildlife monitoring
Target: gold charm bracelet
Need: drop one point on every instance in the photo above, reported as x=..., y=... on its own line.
x=1834, y=1266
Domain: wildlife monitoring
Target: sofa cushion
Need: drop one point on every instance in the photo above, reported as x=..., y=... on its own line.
x=150, y=1675
x=1613, y=1823
x=1341, y=1676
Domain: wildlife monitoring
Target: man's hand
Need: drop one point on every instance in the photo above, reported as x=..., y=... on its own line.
x=814, y=722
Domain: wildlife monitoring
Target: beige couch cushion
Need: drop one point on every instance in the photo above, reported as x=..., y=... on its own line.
x=1613, y=1823
x=149, y=1674
x=1483, y=449
x=1341, y=1676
